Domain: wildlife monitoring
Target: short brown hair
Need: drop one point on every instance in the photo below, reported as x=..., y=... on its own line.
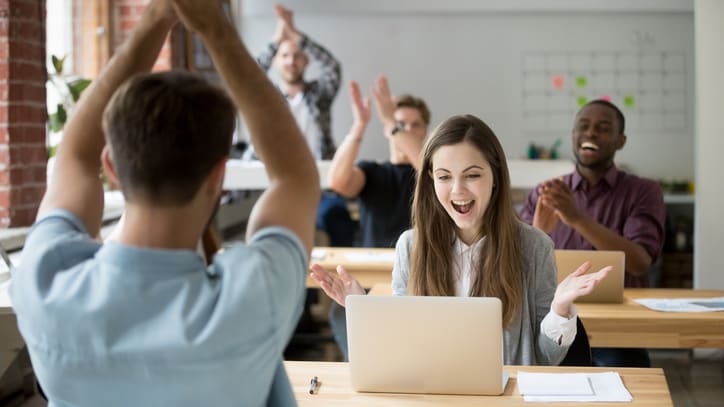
x=166, y=131
x=415, y=103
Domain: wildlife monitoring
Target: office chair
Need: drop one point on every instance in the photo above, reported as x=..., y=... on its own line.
x=579, y=354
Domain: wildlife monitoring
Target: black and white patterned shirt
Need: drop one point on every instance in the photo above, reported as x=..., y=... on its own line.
x=318, y=93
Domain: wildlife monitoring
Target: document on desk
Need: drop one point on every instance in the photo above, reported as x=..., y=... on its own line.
x=318, y=254
x=572, y=387
x=683, y=304
x=370, y=257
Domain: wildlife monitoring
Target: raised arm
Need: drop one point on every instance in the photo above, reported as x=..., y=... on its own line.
x=293, y=194
x=404, y=140
x=75, y=184
x=344, y=176
x=331, y=70
x=283, y=31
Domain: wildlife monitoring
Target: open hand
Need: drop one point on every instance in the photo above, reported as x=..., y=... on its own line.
x=576, y=284
x=339, y=286
x=285, y=25
x=385, y=103
x=555, y=194
x=360, y=106
x=544, y=217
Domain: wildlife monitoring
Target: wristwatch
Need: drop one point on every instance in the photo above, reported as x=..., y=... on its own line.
x=399, y=126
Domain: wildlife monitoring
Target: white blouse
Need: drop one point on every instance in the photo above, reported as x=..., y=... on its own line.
x=558, y=328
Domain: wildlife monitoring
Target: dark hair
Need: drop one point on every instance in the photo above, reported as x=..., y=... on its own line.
x=414, y=103
x=499, y=273
x=165, y=132
x=619, y=114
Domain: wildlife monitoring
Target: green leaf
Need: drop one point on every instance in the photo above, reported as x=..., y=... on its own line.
x=56, y=121
x=57, y=63
x=52, y=151
x=77, y=86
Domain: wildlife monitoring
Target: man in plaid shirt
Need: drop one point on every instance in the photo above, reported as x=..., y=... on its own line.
x=310, y=101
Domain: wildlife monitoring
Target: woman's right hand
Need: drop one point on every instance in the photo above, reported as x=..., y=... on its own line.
x=339, y=286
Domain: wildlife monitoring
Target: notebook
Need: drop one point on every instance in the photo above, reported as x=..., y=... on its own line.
x=433, y=345
x=610, y=289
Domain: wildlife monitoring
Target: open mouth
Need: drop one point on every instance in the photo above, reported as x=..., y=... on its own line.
x=462, y=207
x=588, y=146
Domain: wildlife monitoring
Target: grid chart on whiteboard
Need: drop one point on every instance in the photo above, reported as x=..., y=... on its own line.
x=648, y=87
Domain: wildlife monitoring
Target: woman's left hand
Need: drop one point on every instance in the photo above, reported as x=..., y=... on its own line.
x=577, y=284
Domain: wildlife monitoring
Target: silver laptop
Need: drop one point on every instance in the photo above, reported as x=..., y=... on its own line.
x=434, y=345
x=610, y=289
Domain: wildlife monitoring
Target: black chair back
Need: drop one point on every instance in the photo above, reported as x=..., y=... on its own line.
x=579, y=354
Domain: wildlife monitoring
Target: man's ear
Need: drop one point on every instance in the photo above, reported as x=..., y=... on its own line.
x=215, y=180
x=621, y=141
x=108, y=167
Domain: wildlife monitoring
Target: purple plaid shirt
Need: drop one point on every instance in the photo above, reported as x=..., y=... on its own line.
x=631, y=206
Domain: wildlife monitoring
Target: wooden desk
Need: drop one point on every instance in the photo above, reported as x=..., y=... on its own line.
x=635, y=326
x=631, y=325
x=369, y=266
x=647, y=386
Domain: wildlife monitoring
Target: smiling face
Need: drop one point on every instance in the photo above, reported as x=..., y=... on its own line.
x=596, y=137
x=463, y=181
x=291, y=62
x=414, y=124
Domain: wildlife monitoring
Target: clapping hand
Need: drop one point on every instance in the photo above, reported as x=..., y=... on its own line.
x=360, y=106
x=576, y=284
x=385, y=103
x=285, y=25
x=339, y=286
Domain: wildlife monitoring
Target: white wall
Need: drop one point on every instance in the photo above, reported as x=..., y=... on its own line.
x=709, y=228
x=466, y=57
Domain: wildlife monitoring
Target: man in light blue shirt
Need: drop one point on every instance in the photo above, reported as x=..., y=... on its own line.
x=143, y=320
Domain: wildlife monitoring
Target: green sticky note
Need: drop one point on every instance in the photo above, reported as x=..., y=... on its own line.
x=629, y=101
x=581, y=101
x=581, y=81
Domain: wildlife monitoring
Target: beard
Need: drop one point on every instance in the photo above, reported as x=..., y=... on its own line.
x=293, y=78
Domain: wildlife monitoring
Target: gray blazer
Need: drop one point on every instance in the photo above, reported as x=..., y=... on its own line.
x=524, y=343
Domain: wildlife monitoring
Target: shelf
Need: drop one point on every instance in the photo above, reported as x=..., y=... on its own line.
x=679, y=198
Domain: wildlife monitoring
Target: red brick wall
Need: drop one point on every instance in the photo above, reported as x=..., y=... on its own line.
x=23, y=115
x=126, y=14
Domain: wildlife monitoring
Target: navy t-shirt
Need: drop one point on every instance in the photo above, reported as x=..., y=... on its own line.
x=385, y=202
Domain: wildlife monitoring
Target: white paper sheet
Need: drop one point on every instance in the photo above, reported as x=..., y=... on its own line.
x=318, y=254
x=607, y=387
x=370, y=257
x=683, y=304
x=546, y=384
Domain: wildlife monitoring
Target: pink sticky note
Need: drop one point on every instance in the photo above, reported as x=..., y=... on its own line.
x=558, y=82
x=607, y=98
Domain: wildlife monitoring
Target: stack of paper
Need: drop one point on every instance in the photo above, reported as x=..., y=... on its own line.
x=572, y=387
x=318, y=254
x=683, y=304
x=370, y=257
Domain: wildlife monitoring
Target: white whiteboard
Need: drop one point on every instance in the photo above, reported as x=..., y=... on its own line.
x=474, y=60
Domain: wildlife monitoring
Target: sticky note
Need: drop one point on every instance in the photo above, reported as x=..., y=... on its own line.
x=558, y=82
x=581, y=81
x=607, y=98
x=581, y=101
x=629, y=101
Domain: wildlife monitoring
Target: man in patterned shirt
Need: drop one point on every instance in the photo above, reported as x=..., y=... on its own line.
x=310, y=103
x=600, y=207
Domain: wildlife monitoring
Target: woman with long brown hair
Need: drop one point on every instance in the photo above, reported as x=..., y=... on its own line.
x=466, y=240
